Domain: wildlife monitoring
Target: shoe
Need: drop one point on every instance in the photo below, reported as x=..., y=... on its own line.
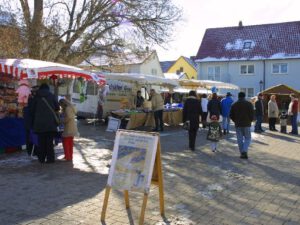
x=257, y=131
x=262, y=130
x=244, y=155
x=192, y=149
x=275, y=130
x=154, y=130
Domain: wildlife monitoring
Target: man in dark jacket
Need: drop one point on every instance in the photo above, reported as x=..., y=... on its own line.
x=259, y=113
x=242, y=114
x=45, y=124
x=191, y=112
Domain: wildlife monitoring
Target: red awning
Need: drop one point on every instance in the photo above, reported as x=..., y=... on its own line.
x=37, y=69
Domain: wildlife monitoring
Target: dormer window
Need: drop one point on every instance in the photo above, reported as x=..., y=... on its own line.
x=247, y=45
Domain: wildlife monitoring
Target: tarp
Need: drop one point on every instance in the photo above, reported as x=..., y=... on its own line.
x=37, y=69
x=12, y=132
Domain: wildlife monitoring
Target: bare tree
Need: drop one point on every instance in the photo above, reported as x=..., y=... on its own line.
x=69, y=31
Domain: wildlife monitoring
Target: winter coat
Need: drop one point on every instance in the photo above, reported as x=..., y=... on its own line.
x=191, y=111
x=27, y=115
x=70, y=127
x=259, y=107
x=226, y=106
x=242, y=113
x=214, y=107
x=157, y=102
x=42, y=117
x=272, y=109
x=214, y=131
x=293, y=107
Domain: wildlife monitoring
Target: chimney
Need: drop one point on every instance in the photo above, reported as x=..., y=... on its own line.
x=240, y=24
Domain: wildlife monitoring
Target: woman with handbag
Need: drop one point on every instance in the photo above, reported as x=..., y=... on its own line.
x=70, y=127
x=44, y=122
x=191, y=112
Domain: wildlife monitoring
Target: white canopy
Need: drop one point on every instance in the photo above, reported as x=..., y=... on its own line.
x=208, y=84
x=141, y=79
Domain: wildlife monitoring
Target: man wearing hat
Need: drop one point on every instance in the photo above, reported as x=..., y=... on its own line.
x=225, y=111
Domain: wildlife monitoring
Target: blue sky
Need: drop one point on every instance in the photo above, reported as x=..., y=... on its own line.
x=199, y=15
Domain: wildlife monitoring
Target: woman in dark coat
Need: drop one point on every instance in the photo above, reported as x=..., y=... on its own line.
x=45, y=125
x=214, y=106
x=191, y=112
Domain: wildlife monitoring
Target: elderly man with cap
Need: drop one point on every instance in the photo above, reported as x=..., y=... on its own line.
x=225, y=111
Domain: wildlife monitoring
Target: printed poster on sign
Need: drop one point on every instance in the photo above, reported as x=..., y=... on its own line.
x=132, y=161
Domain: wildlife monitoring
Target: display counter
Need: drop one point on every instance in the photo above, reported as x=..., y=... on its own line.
x=138, y=119
x=12, y=132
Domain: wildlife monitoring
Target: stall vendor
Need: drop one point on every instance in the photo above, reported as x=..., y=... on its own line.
x=139, y=100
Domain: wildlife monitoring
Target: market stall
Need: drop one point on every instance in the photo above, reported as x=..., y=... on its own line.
x=283, y=99
x=16, y=78
x=122, y=93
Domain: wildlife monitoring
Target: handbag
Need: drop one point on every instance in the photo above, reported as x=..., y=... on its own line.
x=186, y=125
x=52, y=110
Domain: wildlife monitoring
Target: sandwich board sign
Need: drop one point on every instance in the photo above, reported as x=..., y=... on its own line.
x=135, y=156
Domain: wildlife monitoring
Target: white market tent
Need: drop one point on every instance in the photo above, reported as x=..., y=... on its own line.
x=37, y=69
x=142, y=79
x=208, y=84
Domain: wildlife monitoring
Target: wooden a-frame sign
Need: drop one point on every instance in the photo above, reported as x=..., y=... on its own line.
x=156, y=179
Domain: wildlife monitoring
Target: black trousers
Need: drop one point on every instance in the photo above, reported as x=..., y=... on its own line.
x=158, y=117
x=204, y=119
x=192, y=138
x=272, y=122
x=46, y=147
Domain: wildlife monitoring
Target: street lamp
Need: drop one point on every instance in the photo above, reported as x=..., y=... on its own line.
x=261, y=83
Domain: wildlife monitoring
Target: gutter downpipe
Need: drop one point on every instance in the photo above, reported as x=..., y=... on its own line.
x=264, y=75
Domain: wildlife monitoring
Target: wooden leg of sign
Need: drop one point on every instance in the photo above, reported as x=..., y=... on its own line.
x=160, y=181
x=142, y=217
x=126, y=196
x=105, y=203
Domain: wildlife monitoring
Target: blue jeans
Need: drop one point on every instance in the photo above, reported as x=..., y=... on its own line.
x=243, y=135
x=258, y=123
x=294, y=123
x=226, y=123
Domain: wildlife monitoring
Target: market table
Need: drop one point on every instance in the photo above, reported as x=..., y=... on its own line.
x=12, y=132
x=138, y=119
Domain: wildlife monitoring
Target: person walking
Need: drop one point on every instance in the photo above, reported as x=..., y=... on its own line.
x=293, y=112
x=158, y=107
x=259, y=113
x=204, y=113
x=214, y=106
x=191, y=112
x=45, y=122
x=242, y=114
x=225, y=109
x=214, y=133
x=70, y=127
x=273, y=112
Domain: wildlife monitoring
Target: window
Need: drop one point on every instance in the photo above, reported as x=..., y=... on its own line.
x=214, y=73
x=248, y=91
x=154, y=71
x=181, y=69
x=247, y=45
x=247, y=69
x=92, y=88
x=280, y=68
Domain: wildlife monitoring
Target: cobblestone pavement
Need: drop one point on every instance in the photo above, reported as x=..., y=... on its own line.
x=200, y=187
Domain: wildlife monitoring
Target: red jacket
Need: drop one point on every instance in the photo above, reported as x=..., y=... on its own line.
x=295, y=107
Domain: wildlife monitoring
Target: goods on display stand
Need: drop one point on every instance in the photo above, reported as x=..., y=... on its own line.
x=15, y=78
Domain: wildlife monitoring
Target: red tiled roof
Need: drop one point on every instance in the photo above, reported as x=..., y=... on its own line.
x=268, y=41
